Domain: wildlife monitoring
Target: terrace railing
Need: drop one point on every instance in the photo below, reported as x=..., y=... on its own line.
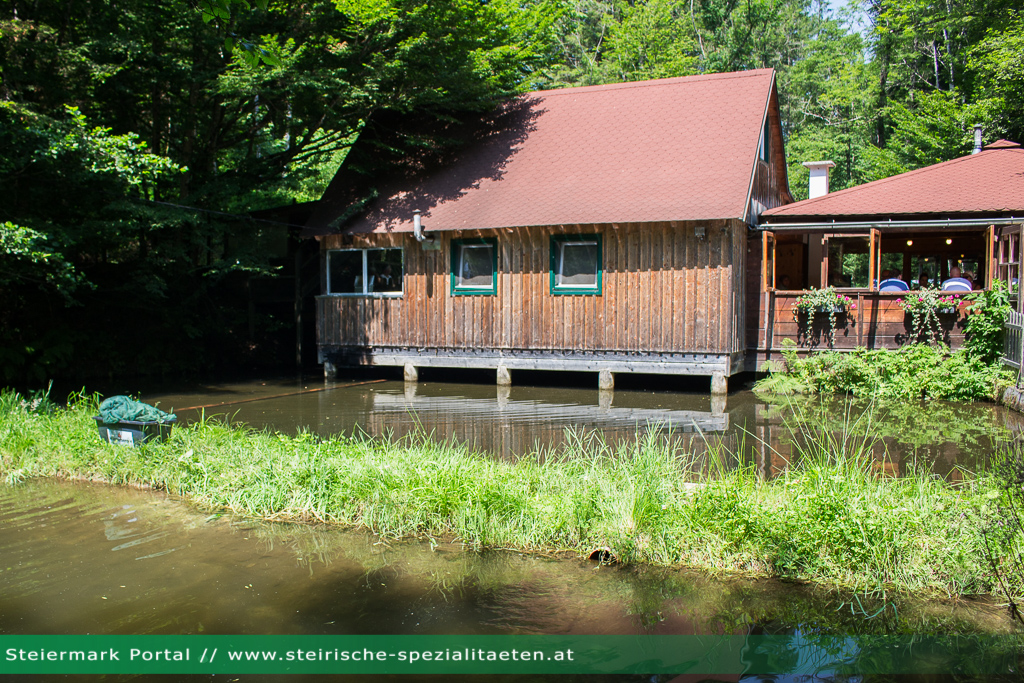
x=1013, y=341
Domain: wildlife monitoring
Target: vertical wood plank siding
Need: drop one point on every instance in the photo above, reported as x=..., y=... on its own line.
x=664, y=291
x=770, y=178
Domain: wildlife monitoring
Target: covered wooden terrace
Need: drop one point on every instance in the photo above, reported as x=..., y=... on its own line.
x=855, y=258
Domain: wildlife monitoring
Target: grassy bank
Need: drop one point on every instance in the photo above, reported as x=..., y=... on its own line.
x=829, y=520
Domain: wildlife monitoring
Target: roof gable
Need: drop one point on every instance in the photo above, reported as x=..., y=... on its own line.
x=989, y=182
x=670, y=149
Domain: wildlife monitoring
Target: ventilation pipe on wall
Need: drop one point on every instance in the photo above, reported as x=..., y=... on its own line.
x=819, y=177
x=977, y=139
x=428, y=242
x=417, y=228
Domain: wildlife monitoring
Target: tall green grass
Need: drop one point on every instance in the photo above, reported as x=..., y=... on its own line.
x=830, y=518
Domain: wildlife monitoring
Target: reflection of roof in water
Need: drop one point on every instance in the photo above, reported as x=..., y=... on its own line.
x=537, y=412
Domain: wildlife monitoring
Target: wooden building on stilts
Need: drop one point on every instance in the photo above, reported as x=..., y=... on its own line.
x=604, y=229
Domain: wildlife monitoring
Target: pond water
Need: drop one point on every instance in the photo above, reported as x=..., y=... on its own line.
x=510, y=422
x=86, y=558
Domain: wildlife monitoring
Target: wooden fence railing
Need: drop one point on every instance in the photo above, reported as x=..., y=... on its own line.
x=1013, y=341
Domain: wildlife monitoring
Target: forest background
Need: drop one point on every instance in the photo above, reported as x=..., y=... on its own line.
x=138, y=137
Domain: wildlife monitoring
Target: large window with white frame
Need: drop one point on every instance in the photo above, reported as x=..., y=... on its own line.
x=365, y=272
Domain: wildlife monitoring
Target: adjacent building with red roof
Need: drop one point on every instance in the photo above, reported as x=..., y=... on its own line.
x=960, y=219
x=601, y=229
x=987, y=184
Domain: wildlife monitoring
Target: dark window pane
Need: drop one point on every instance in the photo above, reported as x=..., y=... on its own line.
x=848, y=261
x=578, y=264
x=345, y=272
x=476, y=267
x=924, y=272
x=385, y=270
x=765, y=141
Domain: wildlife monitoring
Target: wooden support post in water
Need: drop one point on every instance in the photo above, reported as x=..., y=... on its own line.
x=411, y=373
x=719, y=384
x=605, y=380
x=504, y=376
x=330, y=370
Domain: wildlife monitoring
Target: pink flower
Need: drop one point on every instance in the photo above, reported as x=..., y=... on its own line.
x=853, y=306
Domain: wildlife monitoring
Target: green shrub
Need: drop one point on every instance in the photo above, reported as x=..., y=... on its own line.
x=913, y=372
x=986, y=315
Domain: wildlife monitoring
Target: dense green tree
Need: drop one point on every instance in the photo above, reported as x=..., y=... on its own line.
x=134, y=137
x=581, y=40
x=828, y=109
x=998, y=61
x=606, y=41
x=140, y=133
x=653, y=40
x=938, y=65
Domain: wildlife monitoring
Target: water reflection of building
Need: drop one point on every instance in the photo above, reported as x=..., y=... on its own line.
x=511, y=427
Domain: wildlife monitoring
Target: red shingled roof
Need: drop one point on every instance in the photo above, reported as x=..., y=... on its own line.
x=671, y=149
x=989, y=182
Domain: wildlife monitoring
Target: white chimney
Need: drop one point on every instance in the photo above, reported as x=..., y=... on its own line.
x=819, y=177
x=977, y=139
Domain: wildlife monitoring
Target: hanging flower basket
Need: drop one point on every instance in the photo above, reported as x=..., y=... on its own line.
x=826, y=300
x=823, y=302
x=925, y=307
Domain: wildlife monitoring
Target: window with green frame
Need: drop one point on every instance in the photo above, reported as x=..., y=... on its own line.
x=576, y=264
x=474, y=266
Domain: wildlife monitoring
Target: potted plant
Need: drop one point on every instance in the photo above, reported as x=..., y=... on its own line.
x=925, y=307
x=948, y=304
x=825, y=301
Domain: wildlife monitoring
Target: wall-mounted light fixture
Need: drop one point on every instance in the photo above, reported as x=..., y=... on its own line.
x=949, y=241
x=910, y=243
x=699, y=231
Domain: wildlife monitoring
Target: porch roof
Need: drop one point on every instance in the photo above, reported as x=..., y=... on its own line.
x=983, y=185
